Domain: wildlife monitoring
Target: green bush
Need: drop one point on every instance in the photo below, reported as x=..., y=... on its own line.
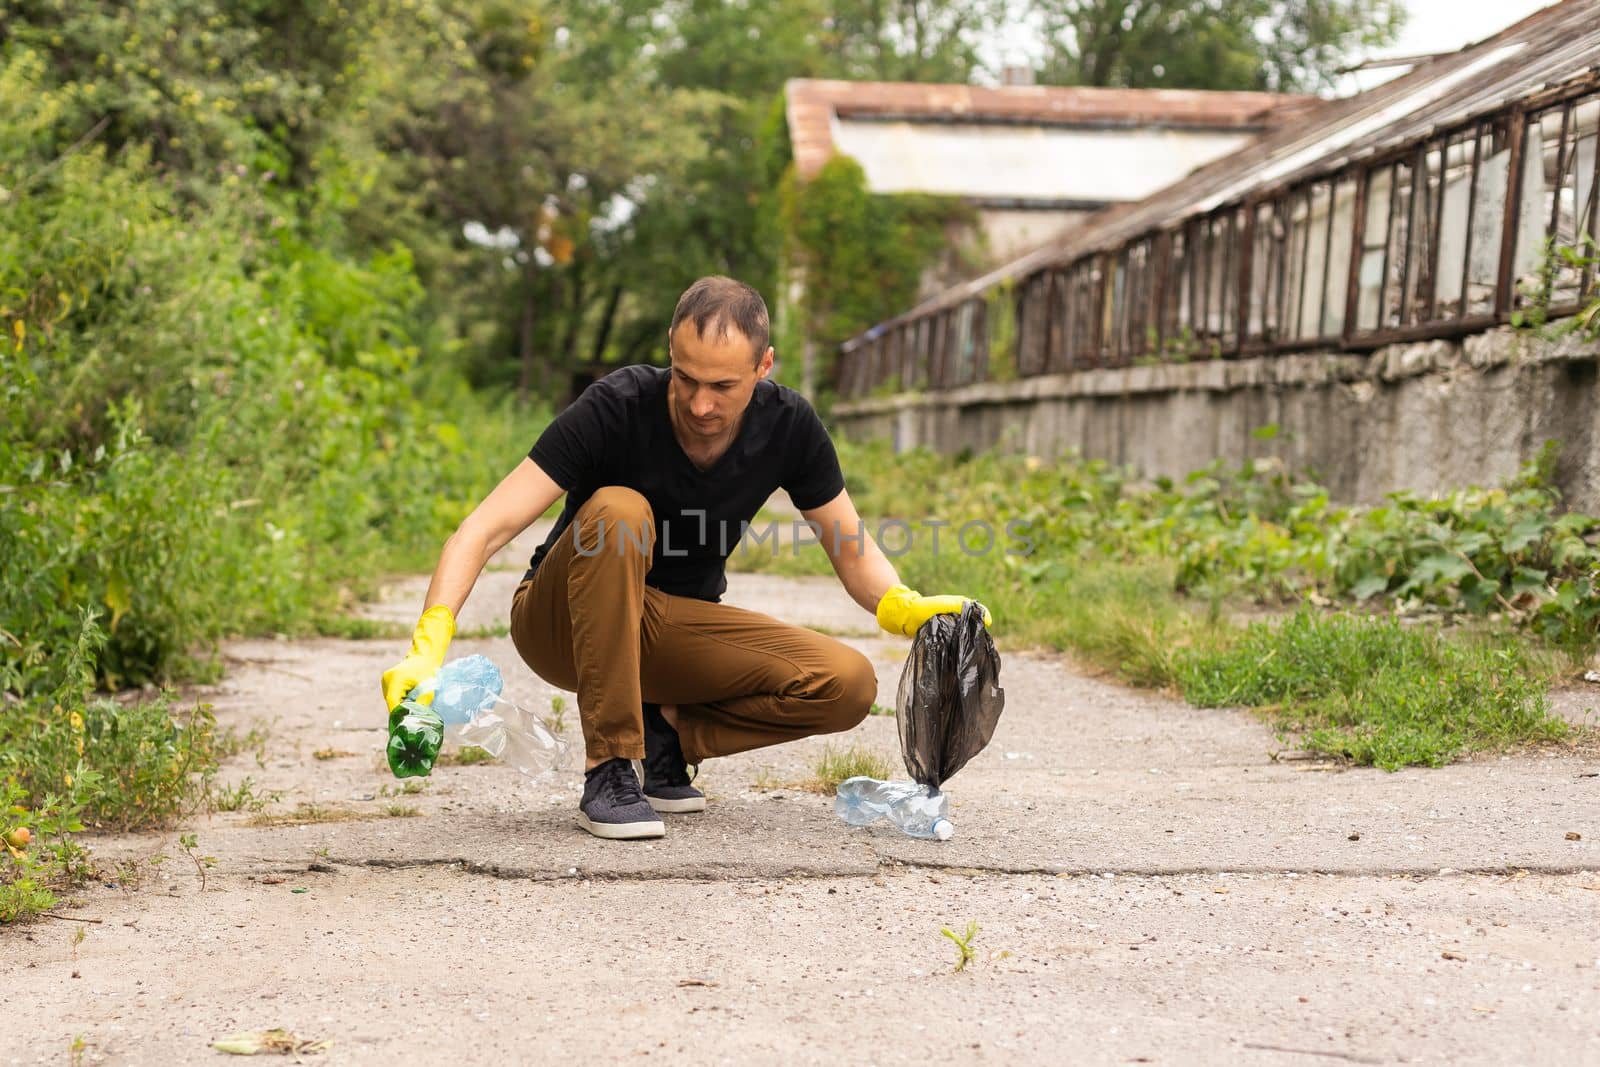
x=217, y=419
x=1257, y=532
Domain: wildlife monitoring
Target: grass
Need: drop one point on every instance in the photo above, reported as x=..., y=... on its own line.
x=465, y=756
x=307, y=813
x=330, y=752
x=242, y=797
x=1145, y=584
x=485, y=632
x=230, y=742
x=402, y=811
x=834, y=765
x=965, y=953
x=1375, y=692
x=557, y=722
x=879, y=709
x=352, y=628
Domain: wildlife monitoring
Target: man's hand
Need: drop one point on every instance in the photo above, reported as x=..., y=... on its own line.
x=903, y=611
x=428, y=643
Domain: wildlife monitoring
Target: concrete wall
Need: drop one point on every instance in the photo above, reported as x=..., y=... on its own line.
x=1013, y=232
x=1429, y=417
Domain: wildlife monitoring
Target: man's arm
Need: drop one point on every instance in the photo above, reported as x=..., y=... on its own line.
x=858, y=561
x=867, y=574
x=521, y=497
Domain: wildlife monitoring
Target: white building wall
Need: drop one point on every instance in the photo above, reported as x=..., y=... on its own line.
x=1026, y=162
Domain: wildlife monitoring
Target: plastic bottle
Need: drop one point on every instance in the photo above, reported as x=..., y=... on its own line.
x=415, y=734
x=917, y=810
x=467, y=701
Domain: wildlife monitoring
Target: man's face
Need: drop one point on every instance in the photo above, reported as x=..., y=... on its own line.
x=712, y=379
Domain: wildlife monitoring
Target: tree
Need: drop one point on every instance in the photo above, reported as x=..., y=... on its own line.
x=1272, y=45
x=910, y=40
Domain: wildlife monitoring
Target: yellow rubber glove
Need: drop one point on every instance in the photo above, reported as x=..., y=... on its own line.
x=428, y=643
x=903, y=611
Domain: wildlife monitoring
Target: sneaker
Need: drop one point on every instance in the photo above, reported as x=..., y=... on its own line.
x=666, y=775
x=612, y=806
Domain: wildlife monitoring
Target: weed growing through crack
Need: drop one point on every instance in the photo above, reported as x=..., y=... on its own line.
x=242, y=797
x=189, y=845
x=558, y=715
x=465, y=756
x=835, y=765
x=963, y=943
x=230, y=742
x=306, y=813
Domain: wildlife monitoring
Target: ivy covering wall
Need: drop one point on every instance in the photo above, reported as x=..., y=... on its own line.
x=854, y=257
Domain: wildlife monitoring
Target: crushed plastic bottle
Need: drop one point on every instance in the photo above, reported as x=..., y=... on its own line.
x=468, y=704
x=415, y=734
x=917, y=810
x=462, y=687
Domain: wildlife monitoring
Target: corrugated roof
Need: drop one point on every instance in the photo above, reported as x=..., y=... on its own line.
x=1551, y=47
x=814, y=105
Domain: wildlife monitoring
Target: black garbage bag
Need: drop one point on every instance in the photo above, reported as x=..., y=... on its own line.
x=950, y=697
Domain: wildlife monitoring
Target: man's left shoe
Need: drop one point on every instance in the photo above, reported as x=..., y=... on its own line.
x=666, y=775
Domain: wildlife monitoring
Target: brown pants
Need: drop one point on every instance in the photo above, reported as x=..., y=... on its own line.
x=586, y=621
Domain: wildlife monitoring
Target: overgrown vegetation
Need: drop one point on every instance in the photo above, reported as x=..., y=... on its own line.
x=1145, y=580
x=1569, y=264
x=860, y=255
x=217, y=414
x=834, y=765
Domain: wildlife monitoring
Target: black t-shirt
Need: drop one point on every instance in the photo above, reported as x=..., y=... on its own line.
x=618, y=432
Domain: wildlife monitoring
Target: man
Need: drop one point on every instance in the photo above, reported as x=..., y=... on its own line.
x=662, y=470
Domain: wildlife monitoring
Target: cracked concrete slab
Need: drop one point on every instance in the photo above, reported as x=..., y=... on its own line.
x=1171, y=885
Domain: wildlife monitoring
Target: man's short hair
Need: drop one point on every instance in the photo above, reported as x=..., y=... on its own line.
x=716, y=303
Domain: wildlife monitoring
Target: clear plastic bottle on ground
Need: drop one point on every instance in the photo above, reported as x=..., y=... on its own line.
x=917, y=810
x=466, y=697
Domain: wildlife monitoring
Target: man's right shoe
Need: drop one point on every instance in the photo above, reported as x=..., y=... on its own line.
x=613, y=807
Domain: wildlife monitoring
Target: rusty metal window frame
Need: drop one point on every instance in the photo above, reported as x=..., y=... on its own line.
x=980, y=339
x=1055, y=344
x=1431, y=253
x=938, y=350
x=1033, y=325
x=1563, y=224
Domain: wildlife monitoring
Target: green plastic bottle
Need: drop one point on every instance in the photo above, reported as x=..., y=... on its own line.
x=415, y=734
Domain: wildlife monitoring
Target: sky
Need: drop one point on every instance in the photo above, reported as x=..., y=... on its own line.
x=1446, y=25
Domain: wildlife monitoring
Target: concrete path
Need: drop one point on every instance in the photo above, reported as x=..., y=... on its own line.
x=1152, y=884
